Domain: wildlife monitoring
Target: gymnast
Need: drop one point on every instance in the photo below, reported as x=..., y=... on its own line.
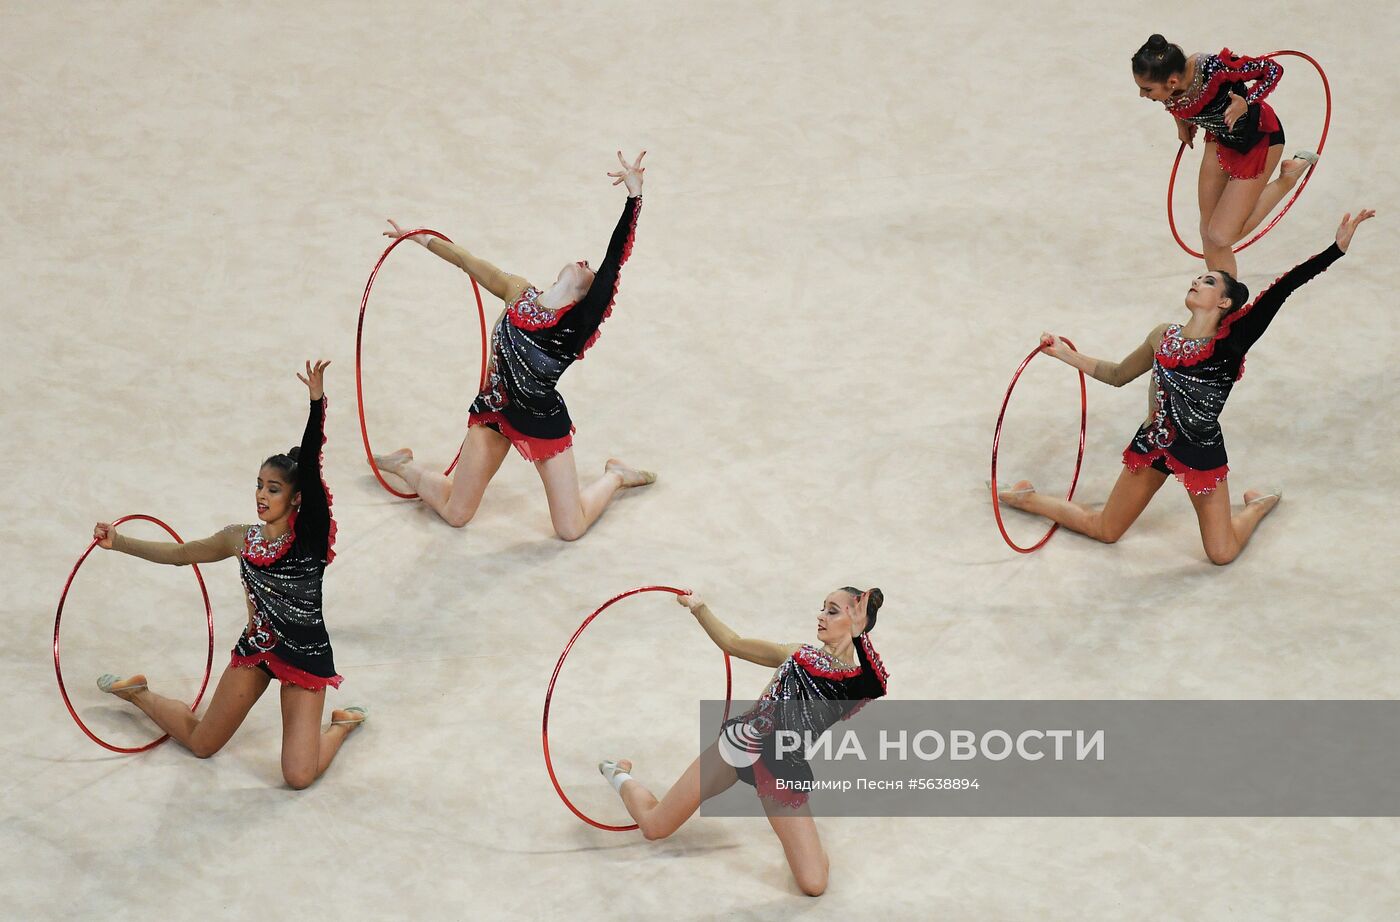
x=1244, y=138
x=824, y=683
x=534, y=341
x=283, y=560
x=1194, y=367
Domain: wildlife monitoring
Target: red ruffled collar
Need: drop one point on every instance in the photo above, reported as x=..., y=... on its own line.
x=1226, y=67
x=526, y=313
x=1176, y=351
x=819, y=662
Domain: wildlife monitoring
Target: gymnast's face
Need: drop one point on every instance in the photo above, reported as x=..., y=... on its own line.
x=575, y=279
x=1158, y=92
x=276, y=497
x=840, y=619
x=1207, y=293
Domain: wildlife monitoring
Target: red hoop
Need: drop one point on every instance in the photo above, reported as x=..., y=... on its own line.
x=996, y=442
x=359, y=339
x=1302, y=183
x=58, y=620
x=544, y=730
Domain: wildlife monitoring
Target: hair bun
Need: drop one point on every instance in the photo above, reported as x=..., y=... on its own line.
x=1157, y=42
x=295, y=452
x=874, y=599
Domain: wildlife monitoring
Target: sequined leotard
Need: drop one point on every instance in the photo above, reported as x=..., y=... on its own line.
x=1242, y=150
x=809, y=692
x=1192, y=379
x=286, y=632
x=532, y=346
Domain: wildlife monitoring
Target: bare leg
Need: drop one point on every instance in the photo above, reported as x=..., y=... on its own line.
x=307, y=750
x=1224, y=536
x=798, y=832
x=1288, y=176
x=658, y=819
x=1131, y=494
x=1229, y=220
x=457, y=500
x=238, y=690
x=573, y=511
x=1210, y=185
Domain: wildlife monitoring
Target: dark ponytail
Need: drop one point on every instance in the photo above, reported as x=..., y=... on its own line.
x=1158, y=59
x=285, y=463
x=872, y=605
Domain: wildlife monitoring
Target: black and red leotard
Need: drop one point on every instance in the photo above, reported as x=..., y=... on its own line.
x=286, y=632
x=532, y=346
x=808, y=693
x=1192, y=379
x=1242, y=150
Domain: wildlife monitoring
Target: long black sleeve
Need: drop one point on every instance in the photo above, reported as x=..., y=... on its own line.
x=592, y=307
x=1246, y=329
x=313, y=524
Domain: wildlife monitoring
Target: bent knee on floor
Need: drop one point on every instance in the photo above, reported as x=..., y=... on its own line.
x=1106, y=532
x=655, y=833
x=458, y=519
x=570, y=532
x=1221, y=556
x=299, y=779
x=813, y=883
x=201, y=749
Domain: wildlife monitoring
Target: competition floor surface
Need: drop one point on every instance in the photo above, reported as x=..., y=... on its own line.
x=857, y=220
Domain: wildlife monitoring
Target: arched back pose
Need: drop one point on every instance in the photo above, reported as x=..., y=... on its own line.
x=844, y=668
x=283, y=559
x=1194, y=366
x=1244, y=138
x=534, y=341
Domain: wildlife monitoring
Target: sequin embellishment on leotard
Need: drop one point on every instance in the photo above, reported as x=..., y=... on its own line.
x=262, y=550
x=527, y=313
x=1178, y=350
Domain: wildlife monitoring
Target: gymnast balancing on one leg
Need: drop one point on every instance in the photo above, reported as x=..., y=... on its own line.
x=1244, y=138
x=829, y=681
x=534, y=341
x=1194, y=366
x=283, y=559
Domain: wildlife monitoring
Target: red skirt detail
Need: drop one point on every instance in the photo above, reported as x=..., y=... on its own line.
x=531, y=449
x=286, y=673
x=1197, y=483
x=1250, y=164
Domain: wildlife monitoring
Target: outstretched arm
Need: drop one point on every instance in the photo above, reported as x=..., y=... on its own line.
x=1134, y=364
x=762, y=652
x=600, y=293
x=1254, y=318
x=223, y=543
x=313, y=525
x=503, y=285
